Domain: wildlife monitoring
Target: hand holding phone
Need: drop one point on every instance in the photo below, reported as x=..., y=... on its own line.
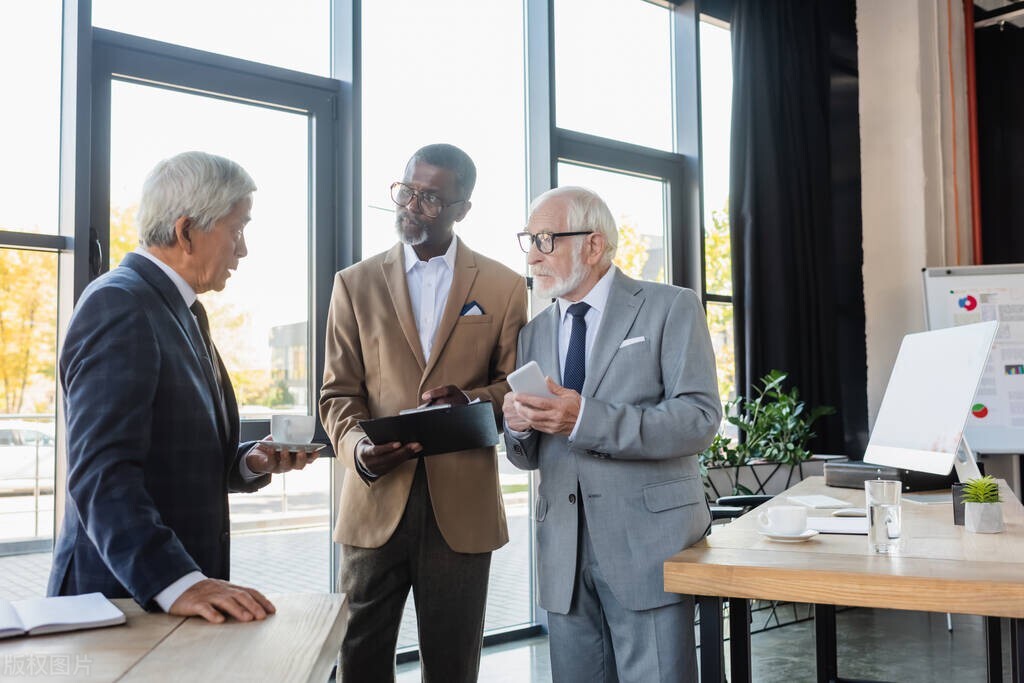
x=529, y=380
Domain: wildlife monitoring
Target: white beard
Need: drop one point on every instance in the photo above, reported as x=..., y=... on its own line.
x=412, y=241
x=562, y=286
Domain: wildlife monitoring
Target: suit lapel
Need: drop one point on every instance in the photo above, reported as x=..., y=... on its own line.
x=624, y=301
x=398, y=287
x=462, y=280
x=172, y=297
x=548, y=356
x=231, y=409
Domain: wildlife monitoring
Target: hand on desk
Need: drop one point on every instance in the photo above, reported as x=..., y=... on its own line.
x=213, y=599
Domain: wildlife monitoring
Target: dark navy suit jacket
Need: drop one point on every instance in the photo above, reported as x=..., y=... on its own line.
x=150, y=459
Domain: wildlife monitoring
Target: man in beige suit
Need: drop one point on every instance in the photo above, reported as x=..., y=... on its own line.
x=426, y=321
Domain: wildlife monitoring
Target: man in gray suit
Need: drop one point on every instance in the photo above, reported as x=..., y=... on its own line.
x=620, y=490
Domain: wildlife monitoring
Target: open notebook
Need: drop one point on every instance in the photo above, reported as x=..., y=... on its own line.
x=36, y=616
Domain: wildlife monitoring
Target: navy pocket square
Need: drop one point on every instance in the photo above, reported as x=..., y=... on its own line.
x=472, y=308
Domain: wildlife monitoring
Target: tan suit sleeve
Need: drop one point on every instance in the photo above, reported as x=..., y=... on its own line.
x=343, y=398
x=503, y=357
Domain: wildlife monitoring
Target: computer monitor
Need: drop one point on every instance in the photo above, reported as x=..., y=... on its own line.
x=920, y=423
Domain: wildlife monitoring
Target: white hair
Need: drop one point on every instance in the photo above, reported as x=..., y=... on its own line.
x=203, y=187
x=587, y=211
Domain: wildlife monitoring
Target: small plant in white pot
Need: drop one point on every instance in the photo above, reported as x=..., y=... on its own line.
x=983, y=512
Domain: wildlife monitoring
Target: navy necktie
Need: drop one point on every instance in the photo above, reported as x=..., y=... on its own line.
x=204, y=329
x=576, y=357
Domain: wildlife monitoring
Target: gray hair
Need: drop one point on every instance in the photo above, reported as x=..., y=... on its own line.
x=197, y=185
x=587, y=211
x=452, y=158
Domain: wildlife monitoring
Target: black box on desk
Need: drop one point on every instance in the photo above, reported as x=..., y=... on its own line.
x=852, y=474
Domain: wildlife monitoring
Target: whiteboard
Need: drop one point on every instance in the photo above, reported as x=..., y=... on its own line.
x=928, y=398
x=970, y=294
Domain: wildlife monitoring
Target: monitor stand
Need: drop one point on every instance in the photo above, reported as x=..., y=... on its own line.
x=966, y=464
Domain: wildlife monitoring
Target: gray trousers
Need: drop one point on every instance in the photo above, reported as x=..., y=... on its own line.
x=600, y=641
x=449, y=589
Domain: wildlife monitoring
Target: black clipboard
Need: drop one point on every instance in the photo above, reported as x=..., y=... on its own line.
x=441, y=430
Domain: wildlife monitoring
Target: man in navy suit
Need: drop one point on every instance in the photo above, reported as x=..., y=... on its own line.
x=152, y=422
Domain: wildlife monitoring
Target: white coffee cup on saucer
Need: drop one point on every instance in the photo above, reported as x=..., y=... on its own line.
x=783, y=520
x=292, y=429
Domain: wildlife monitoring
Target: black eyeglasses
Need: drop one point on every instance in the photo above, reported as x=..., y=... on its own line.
x=545, y=241
x=430, y=204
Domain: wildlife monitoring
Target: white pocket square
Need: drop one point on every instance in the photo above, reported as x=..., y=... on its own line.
x=631, y=341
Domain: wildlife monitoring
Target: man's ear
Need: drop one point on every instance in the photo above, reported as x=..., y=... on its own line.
x=595, y=247
x=183, y=233
x=463, y=210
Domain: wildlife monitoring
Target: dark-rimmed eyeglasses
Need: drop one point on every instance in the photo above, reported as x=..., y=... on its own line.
x=545, y=241
x=430, y=204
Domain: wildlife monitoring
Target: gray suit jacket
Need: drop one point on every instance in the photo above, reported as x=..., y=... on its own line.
x=650, y=407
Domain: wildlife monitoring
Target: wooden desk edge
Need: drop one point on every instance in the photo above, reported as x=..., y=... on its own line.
x=332, y=645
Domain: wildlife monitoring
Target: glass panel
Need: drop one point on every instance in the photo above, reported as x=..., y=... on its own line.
x=720, y=324
x=431, y=73
x=295, y=35
x=716, y=113
x=260, y=321
x=638, y=205
x=613, y=73
x=30, y=54
x=28, y=342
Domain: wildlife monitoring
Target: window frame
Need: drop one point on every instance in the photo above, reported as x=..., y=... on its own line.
x=132, y=59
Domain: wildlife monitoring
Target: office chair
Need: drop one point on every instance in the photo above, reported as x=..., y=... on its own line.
x=731, y=507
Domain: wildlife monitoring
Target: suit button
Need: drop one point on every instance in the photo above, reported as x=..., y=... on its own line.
x=572, y=498
x=226, y=536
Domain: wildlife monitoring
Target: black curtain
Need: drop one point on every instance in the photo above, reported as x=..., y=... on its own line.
x=794, y=209
x=999, y=61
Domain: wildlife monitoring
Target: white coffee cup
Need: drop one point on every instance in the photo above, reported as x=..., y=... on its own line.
x=292, y=428
x=784, y=520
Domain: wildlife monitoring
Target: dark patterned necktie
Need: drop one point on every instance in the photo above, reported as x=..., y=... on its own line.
x=576, y=357
x=204, y=329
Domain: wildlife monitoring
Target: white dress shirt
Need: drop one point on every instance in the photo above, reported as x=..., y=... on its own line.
x=429, y=283
x=597, y=298
x=170, y=595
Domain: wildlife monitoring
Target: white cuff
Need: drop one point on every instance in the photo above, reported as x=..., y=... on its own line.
x=579, y=418
x=168, y=596
x=243, y=469
x=517, y=434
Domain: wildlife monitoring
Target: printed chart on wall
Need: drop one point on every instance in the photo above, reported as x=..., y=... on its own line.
x=972, y=294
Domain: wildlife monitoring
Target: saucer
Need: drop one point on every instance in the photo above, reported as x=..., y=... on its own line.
x=282, y=445
x=789, y=538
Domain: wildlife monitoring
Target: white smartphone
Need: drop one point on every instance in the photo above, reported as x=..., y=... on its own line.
x=529, y=380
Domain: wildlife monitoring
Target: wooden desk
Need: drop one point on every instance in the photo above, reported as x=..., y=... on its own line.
x=299, y=643
x=940, y=568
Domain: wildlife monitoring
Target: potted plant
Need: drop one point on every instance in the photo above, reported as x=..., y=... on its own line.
x=983, y=513
x=774, y=427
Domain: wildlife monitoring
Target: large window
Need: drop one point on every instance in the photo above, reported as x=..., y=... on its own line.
x=613, y=70
x=295, y=34
x=259, y=323
x=624, y=129
x=716, y=115
x=29, y=278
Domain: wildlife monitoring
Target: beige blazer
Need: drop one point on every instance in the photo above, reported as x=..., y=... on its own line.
x=374, y=367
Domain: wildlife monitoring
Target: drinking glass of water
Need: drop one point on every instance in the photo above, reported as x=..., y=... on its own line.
x=883, y=507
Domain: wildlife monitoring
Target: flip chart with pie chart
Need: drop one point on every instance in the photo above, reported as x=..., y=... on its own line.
x=970, y=294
